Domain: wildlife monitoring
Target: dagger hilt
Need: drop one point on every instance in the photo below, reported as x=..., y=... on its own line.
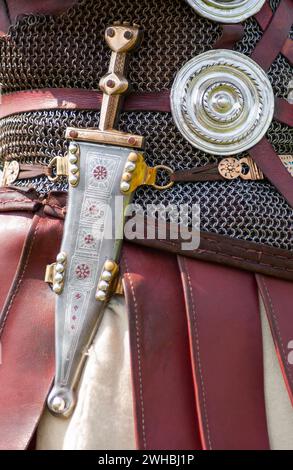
x=121, y=38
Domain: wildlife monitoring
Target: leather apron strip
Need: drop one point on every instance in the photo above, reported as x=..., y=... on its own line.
x=27, y=324
x=226, y=347
x=164, y=403
x=14, y=228
x=275, y=35
x=283, y=111
x=268, y=161
x=278, y=299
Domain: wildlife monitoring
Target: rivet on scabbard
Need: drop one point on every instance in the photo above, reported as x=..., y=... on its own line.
x=106, y=284
x=58, y=280
x=132, y=140
x=73, y=134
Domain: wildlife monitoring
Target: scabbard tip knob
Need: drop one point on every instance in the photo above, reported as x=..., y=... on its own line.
x=58, y=404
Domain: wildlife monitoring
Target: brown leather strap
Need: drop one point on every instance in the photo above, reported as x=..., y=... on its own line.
x=264, y=16
x=203, y=173
x=27, y=325
x=275, y=35
x=271, y=165
x=226, y=348
x=283, y=111
x=231, y=33
x=77, y=98
x=164, y=405
x=223, y=250
x=278, y=298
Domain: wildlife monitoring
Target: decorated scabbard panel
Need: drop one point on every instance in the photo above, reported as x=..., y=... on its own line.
x=86, y=267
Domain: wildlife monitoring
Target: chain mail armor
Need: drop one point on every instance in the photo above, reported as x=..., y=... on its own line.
x=69, y=51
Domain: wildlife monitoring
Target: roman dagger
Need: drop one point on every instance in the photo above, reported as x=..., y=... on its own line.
x=101, y=164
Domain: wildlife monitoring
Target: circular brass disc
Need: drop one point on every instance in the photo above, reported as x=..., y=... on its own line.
x=12, y=172
x=222, y=102
x=226, y=11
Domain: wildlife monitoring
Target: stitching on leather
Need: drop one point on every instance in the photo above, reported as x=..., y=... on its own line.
x=278, y=331
x=21, y=278
x=226, y=255
x=138, y=355
x=198, y=354
x=16, y=200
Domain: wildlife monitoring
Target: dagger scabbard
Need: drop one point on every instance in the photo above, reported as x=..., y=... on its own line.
x=101, y=164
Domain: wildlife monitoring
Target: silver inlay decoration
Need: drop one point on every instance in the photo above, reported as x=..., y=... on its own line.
x=226, y=11
x=222, y=102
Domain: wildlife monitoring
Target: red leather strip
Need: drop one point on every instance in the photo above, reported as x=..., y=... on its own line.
x=77, y=98
x=275, y=35
x=232, y=33
x=27, y=339
x=264, y=16
x=283, y=111
x=226, y=345
x=287, y=49
x=272, y=167
x=164, y=403
x=277, y=296
x=14, y=228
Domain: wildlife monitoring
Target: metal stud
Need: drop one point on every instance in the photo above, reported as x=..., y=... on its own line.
x=109, y=265
x=124, y=186
x=74, y=169
x=57, y=288
x=126, y=176
x=130, y=166
x=101, y=295
x=58, y=404
x=58, y=277
x=59, y=267
x=61, y=257
x=103, y=285
x=106, y=276
x=73, y=148
x=73, y=179
x=132, y=157
x=72, y=159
